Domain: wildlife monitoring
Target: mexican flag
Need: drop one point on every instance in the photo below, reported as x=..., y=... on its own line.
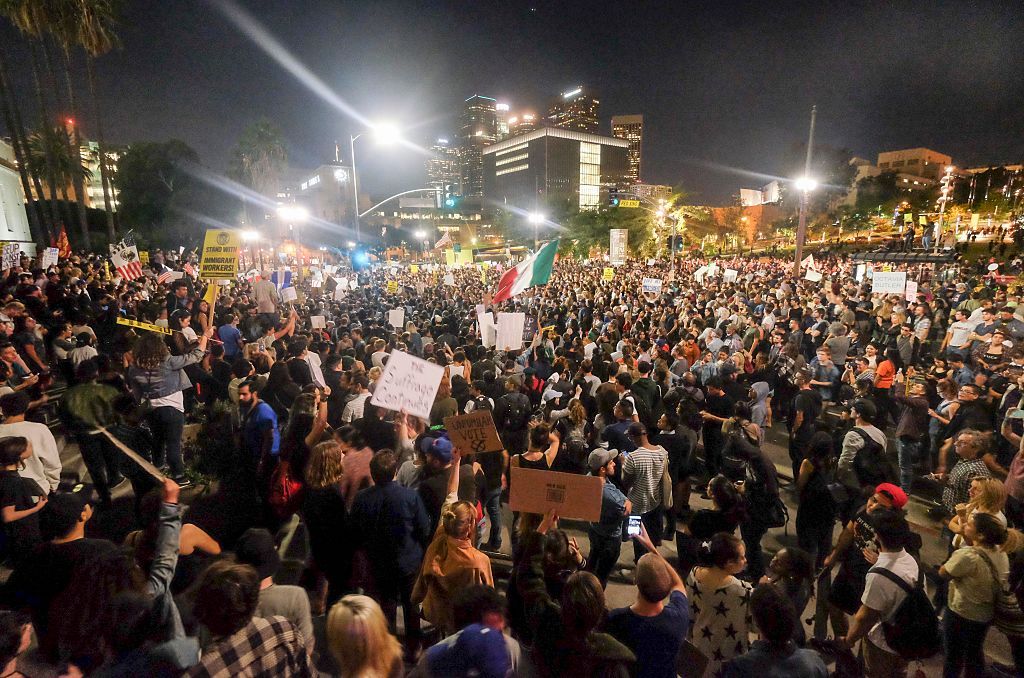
x=534, y=270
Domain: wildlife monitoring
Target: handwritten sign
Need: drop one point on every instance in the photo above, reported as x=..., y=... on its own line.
x=911, y=290
x=488, y=330
x=812, y=275
x=729, y=276
x=449, y=279
x=220, y=255
x=353, y=283
x=568, y=494
x=886, y=282
x=289, y=294
x=409, y=384
x=510, y=331
x=652, y=285
x=392, y=287
x=474, y=432
x=50, y=255
x=317, y=321
x=10, y=255
x=396, y=318
x=608, y=274
x=414, y=269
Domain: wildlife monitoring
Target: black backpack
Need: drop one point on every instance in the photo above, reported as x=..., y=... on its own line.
x=913, y=632
x=871, y=464
x=517, y=412
x=481, y=403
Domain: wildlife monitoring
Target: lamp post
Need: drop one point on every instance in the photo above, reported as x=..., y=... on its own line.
x=294, y=216
x=250, y=237
x=420, y=237
x=947, y=188
x=385, y=134
x=536, y=218
x=805, y=185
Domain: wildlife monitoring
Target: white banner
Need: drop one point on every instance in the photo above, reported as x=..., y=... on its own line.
x=510, y=331
x=730, y=275
x=892, y=282
x=617, y=246
x=488, y=330
x=911, y=290
x=408, y=384
x=396, y=318
x=812, y=275
x=652, y=285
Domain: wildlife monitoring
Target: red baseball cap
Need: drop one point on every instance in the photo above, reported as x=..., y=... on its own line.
x=899, y=497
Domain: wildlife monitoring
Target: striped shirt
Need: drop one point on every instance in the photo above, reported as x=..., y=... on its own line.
x=643, y=467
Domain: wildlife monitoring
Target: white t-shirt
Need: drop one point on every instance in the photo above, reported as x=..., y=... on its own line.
x=175, y=400
x=885, y=596
x=44, y=465
x=959, y=331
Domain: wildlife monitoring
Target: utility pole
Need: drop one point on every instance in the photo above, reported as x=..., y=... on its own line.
x=804, y=187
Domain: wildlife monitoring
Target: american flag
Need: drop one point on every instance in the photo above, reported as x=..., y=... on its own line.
x=188, y=269
x=126, y=261
x=446, y=239
x=164, y=277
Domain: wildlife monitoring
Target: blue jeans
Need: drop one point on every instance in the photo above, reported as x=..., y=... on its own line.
x=604, y=554
x=964, y=642
x=908, y=451
x=492, y=504
x=167, y=424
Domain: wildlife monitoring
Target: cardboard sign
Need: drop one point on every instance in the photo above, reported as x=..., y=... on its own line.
x=652, y=285
x=474, y=432
x=510, y=331
x=396, y=318
x=392, y=287
x=886, y=282
x=409, y=384
x=149, y=327
x=50, y=255
x=812, y=275
x=339, y=292
x=730, y=275
x=144, y=257
x=10, y=255
x=353, y=283
x=449, y=279
x=220, y=255
x=699, y=274
x=414, y=269
x=859, y=274
x=488, y=330
x=134, y=456
x=570, y=495
x=911, y=290
x=317, y=321
x=608, y=274
x=289, y=294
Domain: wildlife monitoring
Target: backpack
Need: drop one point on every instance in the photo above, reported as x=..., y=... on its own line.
x=871, y=464
x=517, y=412
x=481, y=403
x=913, y=632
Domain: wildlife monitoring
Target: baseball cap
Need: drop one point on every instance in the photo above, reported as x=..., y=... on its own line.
x=256, y=547
x=61, y=513
x=478, y=651
x=865, y=408
x=599, y=458
x=898, y=496
x=440, y=449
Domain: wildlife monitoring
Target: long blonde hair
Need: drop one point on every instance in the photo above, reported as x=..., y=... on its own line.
x=359, y=640
x=991, y=496
x=324, y=466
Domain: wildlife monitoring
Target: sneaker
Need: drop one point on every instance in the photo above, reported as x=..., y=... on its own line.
x=182, y=481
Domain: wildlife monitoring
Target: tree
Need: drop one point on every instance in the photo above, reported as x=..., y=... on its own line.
x=53, y=144
x=259, y=158
x=588, y=230
x=161, y=198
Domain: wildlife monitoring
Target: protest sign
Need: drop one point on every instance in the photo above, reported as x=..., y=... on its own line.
x=729, y=276
x=220, y=255
x=10, y=255
x=414, y=269
x=316, y=321
x=474, y=433
x=392, y=287
x=353, y=283
x=812, y=275
x=618, y=238
x=340, y=291
x=911, y=290
x=889, y=282
x=712, y=270
x=699, y=274
x=449, y=279
x=652, y=285
x=408, y=384
x=652, y=262
x=859, y=274
x=488, y=330
x=289, y=294
x=608, y=274
x=396, y=318
x=149, y=327
x=50, y=255
x=510, y=331
x=568, y=494
x=144, y=257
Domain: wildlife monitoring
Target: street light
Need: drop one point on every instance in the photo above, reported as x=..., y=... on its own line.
x=294, y=216
x=384, y=133
x=536, y=218
x=249, y=237
x=805, y=185
x=947, y=188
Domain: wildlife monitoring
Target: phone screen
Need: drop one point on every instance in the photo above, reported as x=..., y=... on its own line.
x=633, y=526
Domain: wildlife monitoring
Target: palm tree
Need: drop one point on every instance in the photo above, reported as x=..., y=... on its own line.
x=38, y=227
x=259, y=158
x=50, y=148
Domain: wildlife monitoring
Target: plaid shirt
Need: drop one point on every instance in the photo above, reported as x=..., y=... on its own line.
x=265, y=647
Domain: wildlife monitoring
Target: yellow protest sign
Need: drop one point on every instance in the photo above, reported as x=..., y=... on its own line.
x=609, y=273
x=908, y=218
x=923, y=220
x=149, y=327
x=414, y=269
x=392, y=286
x=220, y=255
x=144, y=257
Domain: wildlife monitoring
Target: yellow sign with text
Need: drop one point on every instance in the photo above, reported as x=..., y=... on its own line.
x=629, y=203
x=609, y=273
x=392, y=286
x=220, y=255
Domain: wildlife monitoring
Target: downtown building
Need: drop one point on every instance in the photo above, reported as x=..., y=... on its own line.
x=444, y=171
x=553, y=163
x=479, y=129
x=576, y=110
x=631, y=128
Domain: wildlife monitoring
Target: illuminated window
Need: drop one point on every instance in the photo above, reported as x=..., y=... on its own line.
x=590, y=175
x=513, y=158
x=516, y=168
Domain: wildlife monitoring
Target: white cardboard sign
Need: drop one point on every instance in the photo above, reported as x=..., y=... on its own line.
x=449, y=279
x=510, y=330
x=396, y=318
x=408, y=384
x=911, y=290
x=729, y=275
x=488, y=330
x=892, y=282
x=289, y=294
x=316, y=321
x=812, y=275
x=652, y=285
x=50, y=255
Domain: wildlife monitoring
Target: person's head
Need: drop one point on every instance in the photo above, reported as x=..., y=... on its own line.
x=383, y=466
x=14, y=404
x=13, y=449
x=987, y=494
x=459, y=520
x=150, y=351
x=623, y=410
x=248, y=392
x=15, y=635
x=969, y=393
x=324, y=467
x=793, y=563
x=637, y=433
x=359, y=640
x=256, y=548
x=774, y=614
x=540, y=437
x=64, y=513
x=725, y=552
x=891, y=528
x=653, y=581
x=242, y=368
x=864, y=411
x=478, y=604
x=715, y=386
x=180, y=288
x=968, y=444
x=582, y=602
x=226, y=597
x=602, y=462
x=723, y=493
x=985, y=529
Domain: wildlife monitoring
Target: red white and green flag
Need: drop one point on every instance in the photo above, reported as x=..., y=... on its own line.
x=532, y=271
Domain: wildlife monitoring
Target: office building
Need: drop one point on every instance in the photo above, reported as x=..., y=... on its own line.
x=501, y=116
x=443, y=171
x=90, y=151
x=13, y=218
x=576, y=110
x=631, y=128
x=479, y=129
x=327, y=193
x=551, y=163
x=915, y=162
x=522, y=123
x=651, y=192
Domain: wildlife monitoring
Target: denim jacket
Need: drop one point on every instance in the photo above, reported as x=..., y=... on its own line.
x=161, y=570
x=166, y=379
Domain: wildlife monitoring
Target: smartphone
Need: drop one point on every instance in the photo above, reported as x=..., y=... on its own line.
x=633, y=526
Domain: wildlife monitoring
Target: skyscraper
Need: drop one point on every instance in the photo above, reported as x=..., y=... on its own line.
x=501, y=120
x=575, y=110
x=443, y=170
x=631, y=128
x=479, y=129
x=521, y=124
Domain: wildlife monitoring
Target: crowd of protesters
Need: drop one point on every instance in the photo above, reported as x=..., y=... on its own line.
x=668, y=397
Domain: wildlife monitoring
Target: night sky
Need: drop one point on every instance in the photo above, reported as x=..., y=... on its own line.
x=725, y=87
